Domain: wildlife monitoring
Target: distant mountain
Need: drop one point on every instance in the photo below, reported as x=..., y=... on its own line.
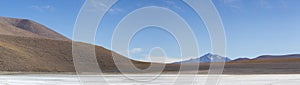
x=269, y=58
x=207, y=58
x=241, y=59
x=26, y=46
x=284, y=64
x=27, y=28
x=263, y=57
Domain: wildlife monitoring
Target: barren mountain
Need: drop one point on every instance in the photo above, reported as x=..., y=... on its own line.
x=26, y=46
x=267, y=57
x=27, y=28
x=28, y=54
x=265, y=64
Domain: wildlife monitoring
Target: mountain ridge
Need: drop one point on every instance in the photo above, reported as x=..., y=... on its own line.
x=24, y=47
x=27, y=28
x=209, y=57
x=269, y=57
x=28, y=46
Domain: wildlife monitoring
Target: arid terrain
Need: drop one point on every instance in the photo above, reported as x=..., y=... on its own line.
x=264, y=66
x=26, y=46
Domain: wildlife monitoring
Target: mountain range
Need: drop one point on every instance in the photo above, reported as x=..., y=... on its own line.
x=209, y=57
x=270, y=58
x=27, y=46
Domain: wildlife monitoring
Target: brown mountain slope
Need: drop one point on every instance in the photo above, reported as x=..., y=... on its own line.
x=284, y=64
x=28, y=28
x=29, y=54
x=30, y=47
x=45, y=55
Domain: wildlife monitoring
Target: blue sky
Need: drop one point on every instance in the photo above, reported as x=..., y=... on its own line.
x=252, y=27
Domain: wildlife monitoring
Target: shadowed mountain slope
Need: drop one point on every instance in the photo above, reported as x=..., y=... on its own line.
x=28, y=54
x=28, y=46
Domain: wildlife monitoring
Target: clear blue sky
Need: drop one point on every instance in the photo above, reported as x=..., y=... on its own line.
x=253, y=27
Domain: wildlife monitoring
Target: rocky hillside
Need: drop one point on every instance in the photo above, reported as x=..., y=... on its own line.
x=27, y=28
x=27, y=46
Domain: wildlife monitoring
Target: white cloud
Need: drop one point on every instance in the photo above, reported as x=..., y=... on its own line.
x=164, y=59
x=136, y=50
x=272, y=4
x=43, y=8
x=161, y=59
x=239, y=4
x=99, y=5
x=116, y=10
x=171, y=3
x=234, y=4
